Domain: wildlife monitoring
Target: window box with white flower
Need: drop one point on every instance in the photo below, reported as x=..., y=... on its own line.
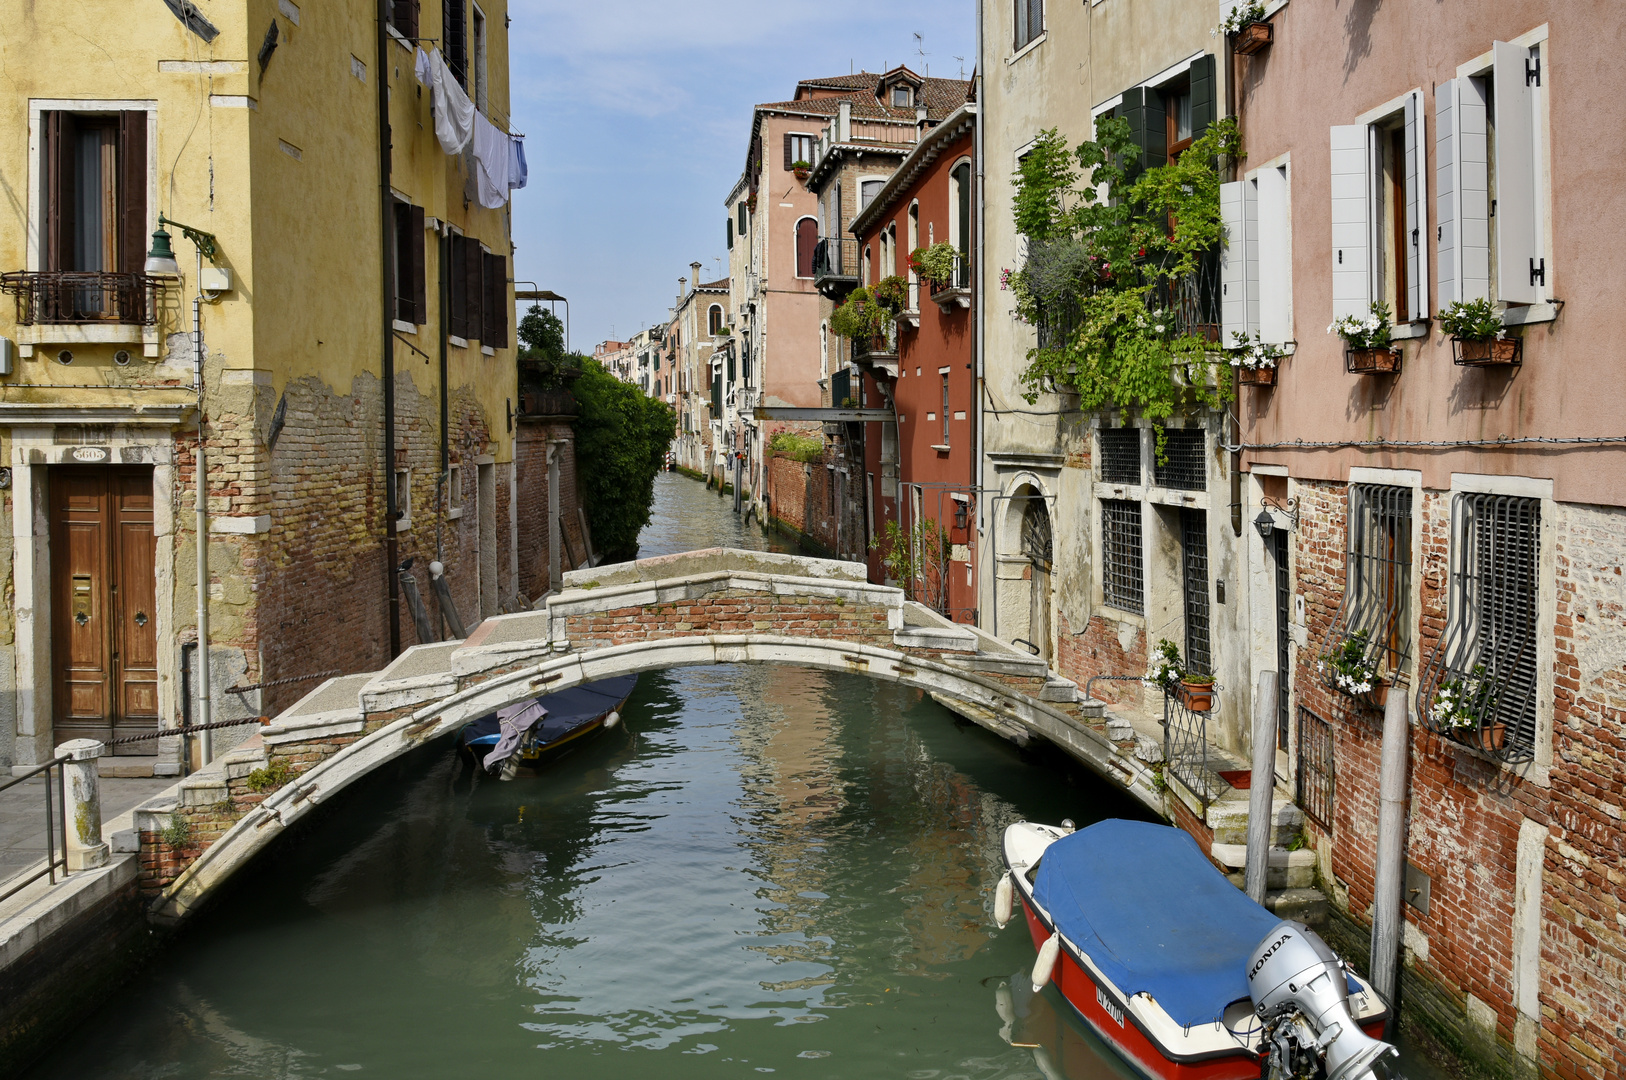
x=1367, y=342
x=1255, y=361
x=1478, y=338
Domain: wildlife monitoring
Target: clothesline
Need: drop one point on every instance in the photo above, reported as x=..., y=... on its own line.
x=499, y=156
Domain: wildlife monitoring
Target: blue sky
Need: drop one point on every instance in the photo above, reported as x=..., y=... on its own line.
x=636, y=114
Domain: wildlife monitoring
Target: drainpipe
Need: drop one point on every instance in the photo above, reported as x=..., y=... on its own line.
x=445, y=252
x=201, y=470
x=1390, y=871
x=980, y=328
x=386, y=209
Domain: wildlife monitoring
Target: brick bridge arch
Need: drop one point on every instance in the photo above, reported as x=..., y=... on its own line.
x=719, y=606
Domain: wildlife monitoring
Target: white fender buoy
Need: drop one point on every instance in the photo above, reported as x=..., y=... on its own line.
x=611, y=720
x=1004, y=899
x=1045, y=965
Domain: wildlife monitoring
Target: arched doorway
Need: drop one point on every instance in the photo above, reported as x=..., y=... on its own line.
x=1039, y=547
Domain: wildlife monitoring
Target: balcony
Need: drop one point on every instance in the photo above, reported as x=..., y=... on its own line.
x=956, y=288
x=835, y=266
x=72, y=297
x=880, y=352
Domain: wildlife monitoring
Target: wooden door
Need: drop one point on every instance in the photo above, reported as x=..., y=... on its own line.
x=104, y=625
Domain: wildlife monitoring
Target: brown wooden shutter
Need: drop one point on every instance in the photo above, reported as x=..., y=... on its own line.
x=496, y=302
x=788, y=158
x=457, y=320
x=404, y=16
x=474, y=290
x=414, y=256
x=59, y=139
x=132, y=191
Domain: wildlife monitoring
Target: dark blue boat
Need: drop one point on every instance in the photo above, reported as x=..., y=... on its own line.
x=531, y=733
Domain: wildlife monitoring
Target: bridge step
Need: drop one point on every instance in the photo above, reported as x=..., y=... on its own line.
x=1057, y=688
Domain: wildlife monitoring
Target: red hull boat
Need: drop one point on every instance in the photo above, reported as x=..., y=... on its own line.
x=1142, y=954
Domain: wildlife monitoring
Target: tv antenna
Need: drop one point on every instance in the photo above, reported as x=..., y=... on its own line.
x=920, y=50
x=961, y=59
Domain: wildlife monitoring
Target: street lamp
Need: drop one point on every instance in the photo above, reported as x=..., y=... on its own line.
x=161, y=260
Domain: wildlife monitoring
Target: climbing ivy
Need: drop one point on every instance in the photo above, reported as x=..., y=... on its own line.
x=1099, y=253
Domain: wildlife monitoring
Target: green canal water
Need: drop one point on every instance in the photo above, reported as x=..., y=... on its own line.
x=763, y=870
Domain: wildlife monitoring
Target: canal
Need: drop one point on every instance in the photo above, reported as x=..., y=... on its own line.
x=763, y=870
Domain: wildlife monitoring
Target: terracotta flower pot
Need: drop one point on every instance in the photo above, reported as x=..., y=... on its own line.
x=1198, y=697
x=1491, y=353
x=1253, y=37
x=801, y=174
x=1379, y=694
x=1488, y=738
x=1372, y=361
x=1264, y=376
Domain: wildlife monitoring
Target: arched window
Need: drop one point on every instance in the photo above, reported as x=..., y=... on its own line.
x=714, y=319
x=914, y=244
x=807, y=238
x=962, y=207
x=865, y=282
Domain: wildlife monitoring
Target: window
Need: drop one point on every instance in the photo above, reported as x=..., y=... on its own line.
x=478, y=59
x=1490, y=169
x=454, y=490
x=1029, y=21
x=914, y=245
x=404, y=17
x=1176, y=116
x=1256, y=281
x=730, y=233
x=1487, y=655
x=945, y=408
x=961, y=221
x=1122, y=573
x=807, y=238
x=1377, y=576
x=1120, y=455
x=1164, y=119
x=742, y=213
x=798, y=148
x=867, y=190
x=410, y=301
x=1377, y=202
x=95, y=197
x=1194, y=581
x=455, y=47
x=1184, y=460
x=494, y=302
x=900, y=97
x=714, y=319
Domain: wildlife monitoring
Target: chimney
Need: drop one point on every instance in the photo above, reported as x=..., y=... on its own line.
x=844, y=121
x=695, y=266
x=681, y=283
x=920, y=121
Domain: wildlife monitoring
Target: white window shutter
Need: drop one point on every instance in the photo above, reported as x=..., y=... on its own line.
x=1516, y=254
x=1446, y=210
x=1233, y=260
x=1274, y=285
x=1250, y=265
x=1473, y=191
x=1351, y=222
x=1416, y=239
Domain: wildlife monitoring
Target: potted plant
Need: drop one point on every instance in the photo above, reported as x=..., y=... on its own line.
x=801, y=169
x=1254, y=360
x=1197, y=691
x=1163, y=672
x=1457, y=706
x=935, y=264
x=1347, y=670
x=1478, y=338
x=1367, y=348
x=1247, y=28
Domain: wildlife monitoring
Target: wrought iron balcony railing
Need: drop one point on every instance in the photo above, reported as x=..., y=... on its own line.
x=959, y=278
x=884, y=346
x=55, y=297
x=835, y=257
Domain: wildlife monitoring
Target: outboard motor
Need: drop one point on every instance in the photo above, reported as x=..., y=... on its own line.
x=1300, y=991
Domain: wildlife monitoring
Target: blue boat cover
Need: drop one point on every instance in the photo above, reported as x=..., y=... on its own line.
x=567, y=711
x=1154, y=915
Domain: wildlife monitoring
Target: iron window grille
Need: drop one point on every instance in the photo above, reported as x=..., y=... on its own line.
x=1122, y=570
x=1487, y=655
x=1317, y=776
x=1120, y=455
x=1376, y=606
x=1184, y=460
x=1194, y=570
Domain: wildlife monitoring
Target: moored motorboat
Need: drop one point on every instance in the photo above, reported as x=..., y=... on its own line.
x=531, y=733
x=1168, y=962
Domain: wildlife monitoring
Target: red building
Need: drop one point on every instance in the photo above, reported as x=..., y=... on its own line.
x=920, y=471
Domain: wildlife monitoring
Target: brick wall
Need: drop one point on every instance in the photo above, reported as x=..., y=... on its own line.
x=1100, y=650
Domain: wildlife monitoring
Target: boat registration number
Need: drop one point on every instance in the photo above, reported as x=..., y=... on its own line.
x=1109, y=1007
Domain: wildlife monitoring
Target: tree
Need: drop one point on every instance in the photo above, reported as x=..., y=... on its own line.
x=621, y=441
x=541, y=335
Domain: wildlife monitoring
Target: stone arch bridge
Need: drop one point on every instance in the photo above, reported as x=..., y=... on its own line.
x=716, y=606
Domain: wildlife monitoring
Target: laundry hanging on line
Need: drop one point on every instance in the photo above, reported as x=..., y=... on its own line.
x=499, y=158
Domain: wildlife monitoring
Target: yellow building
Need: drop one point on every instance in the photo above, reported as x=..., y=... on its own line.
x=257, y=122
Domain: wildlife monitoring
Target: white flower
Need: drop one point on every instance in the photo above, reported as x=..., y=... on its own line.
x=1160, y=328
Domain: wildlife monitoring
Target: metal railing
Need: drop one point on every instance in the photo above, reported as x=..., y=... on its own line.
x=1376, y=606
x=959, y=277
x=1185, y=747
x=56, y=825
x=46, y=297
x=884, y=344
x=835, y=257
